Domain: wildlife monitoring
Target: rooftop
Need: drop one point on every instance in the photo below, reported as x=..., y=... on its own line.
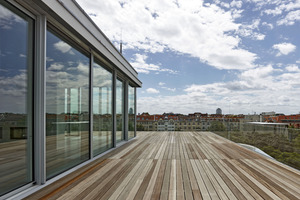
x=182, y=165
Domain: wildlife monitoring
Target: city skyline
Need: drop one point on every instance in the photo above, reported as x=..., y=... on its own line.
x=242, y=56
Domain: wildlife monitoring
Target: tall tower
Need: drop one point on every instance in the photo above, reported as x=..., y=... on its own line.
x=219, y=111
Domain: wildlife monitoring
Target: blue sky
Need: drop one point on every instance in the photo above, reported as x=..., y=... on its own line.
x=196, y=56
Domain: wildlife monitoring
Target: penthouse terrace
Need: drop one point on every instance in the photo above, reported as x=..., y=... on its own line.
x=178, y=165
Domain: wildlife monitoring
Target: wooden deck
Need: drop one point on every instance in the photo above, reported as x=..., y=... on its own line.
x=178, y=165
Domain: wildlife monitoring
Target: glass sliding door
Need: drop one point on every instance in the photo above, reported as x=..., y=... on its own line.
x=119, y=110
x=102, y=109
x=131, y=112
x=67, y=105
x=16, y=64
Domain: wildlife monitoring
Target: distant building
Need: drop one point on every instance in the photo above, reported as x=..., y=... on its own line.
x=291, y=120
x=219, y=111
x=190, y=122
x=268, y=113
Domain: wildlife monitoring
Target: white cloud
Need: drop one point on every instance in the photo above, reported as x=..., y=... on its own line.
x=63, y=47
x=289, y=11
x=48, y=59
x=169, y=89
x=162, y=85
x=249, y=30
x=237, y=4
x=274, y=12
x=270, y=26
x=284, y=48
x=226, y=5
x=56, y=67
x=13, y=92
x=293, y=68
x=7, y=18
x=141, y=66
x=152, y=91
x=189, y=27
x=83, y=69
x=255, y=90
x=290, y=18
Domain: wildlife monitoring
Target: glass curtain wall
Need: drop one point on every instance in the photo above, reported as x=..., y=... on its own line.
x=102, y=109
x=67, y=105
x=16, y=64
x=131, y=112
x=119, y=110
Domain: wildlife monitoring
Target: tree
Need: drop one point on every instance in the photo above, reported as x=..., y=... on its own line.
x=140, y=127
x=217, y=126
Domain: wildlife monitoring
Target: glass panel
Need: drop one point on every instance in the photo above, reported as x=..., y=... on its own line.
x=67, y=106
x=16, y=48
x=119, y=110
x=131, y=112
x=102, y=109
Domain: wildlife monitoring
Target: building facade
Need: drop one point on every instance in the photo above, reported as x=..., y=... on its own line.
x=67, y=95
x=191, y=122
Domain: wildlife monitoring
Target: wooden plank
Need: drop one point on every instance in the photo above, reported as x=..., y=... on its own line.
x=177, y=148
x=194, y=184
x=166, y=153
x=105, y=185
x=152, y=181
x=201, y=184
x=201, y=155
x=256, y=185
x=273, y=186
x=179, y=182
x=139, y=181
x=193, y=154
x=276, y=177
x=288, y=178
x=161, y=149
x=125, y=181
x=184, y=148
x=123, y=195
x=206, y=180
x=217, y=185
x=242, y=180
x=286, y=171
x=92, y=178
x=239, y=191
x=224, y=182
x=116, y=181
x=103, y=179
x=146, y=181
x=166, y=182
x=172, y=188
x=186, y=181
x=159, y=180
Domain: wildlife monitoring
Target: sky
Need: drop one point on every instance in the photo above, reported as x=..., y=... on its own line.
x=197, y=56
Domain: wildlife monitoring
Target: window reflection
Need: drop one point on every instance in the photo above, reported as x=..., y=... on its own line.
x=131, y=112
x=102, y=109
x=67, y=106
x=119, y=110
x=16, y=30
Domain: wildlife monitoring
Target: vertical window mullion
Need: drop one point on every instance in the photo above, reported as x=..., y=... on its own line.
x=114, y=106
x=91, y=106
x=126, y=109
x=39, y=114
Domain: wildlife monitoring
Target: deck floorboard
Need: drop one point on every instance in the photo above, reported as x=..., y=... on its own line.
x=178, y=165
